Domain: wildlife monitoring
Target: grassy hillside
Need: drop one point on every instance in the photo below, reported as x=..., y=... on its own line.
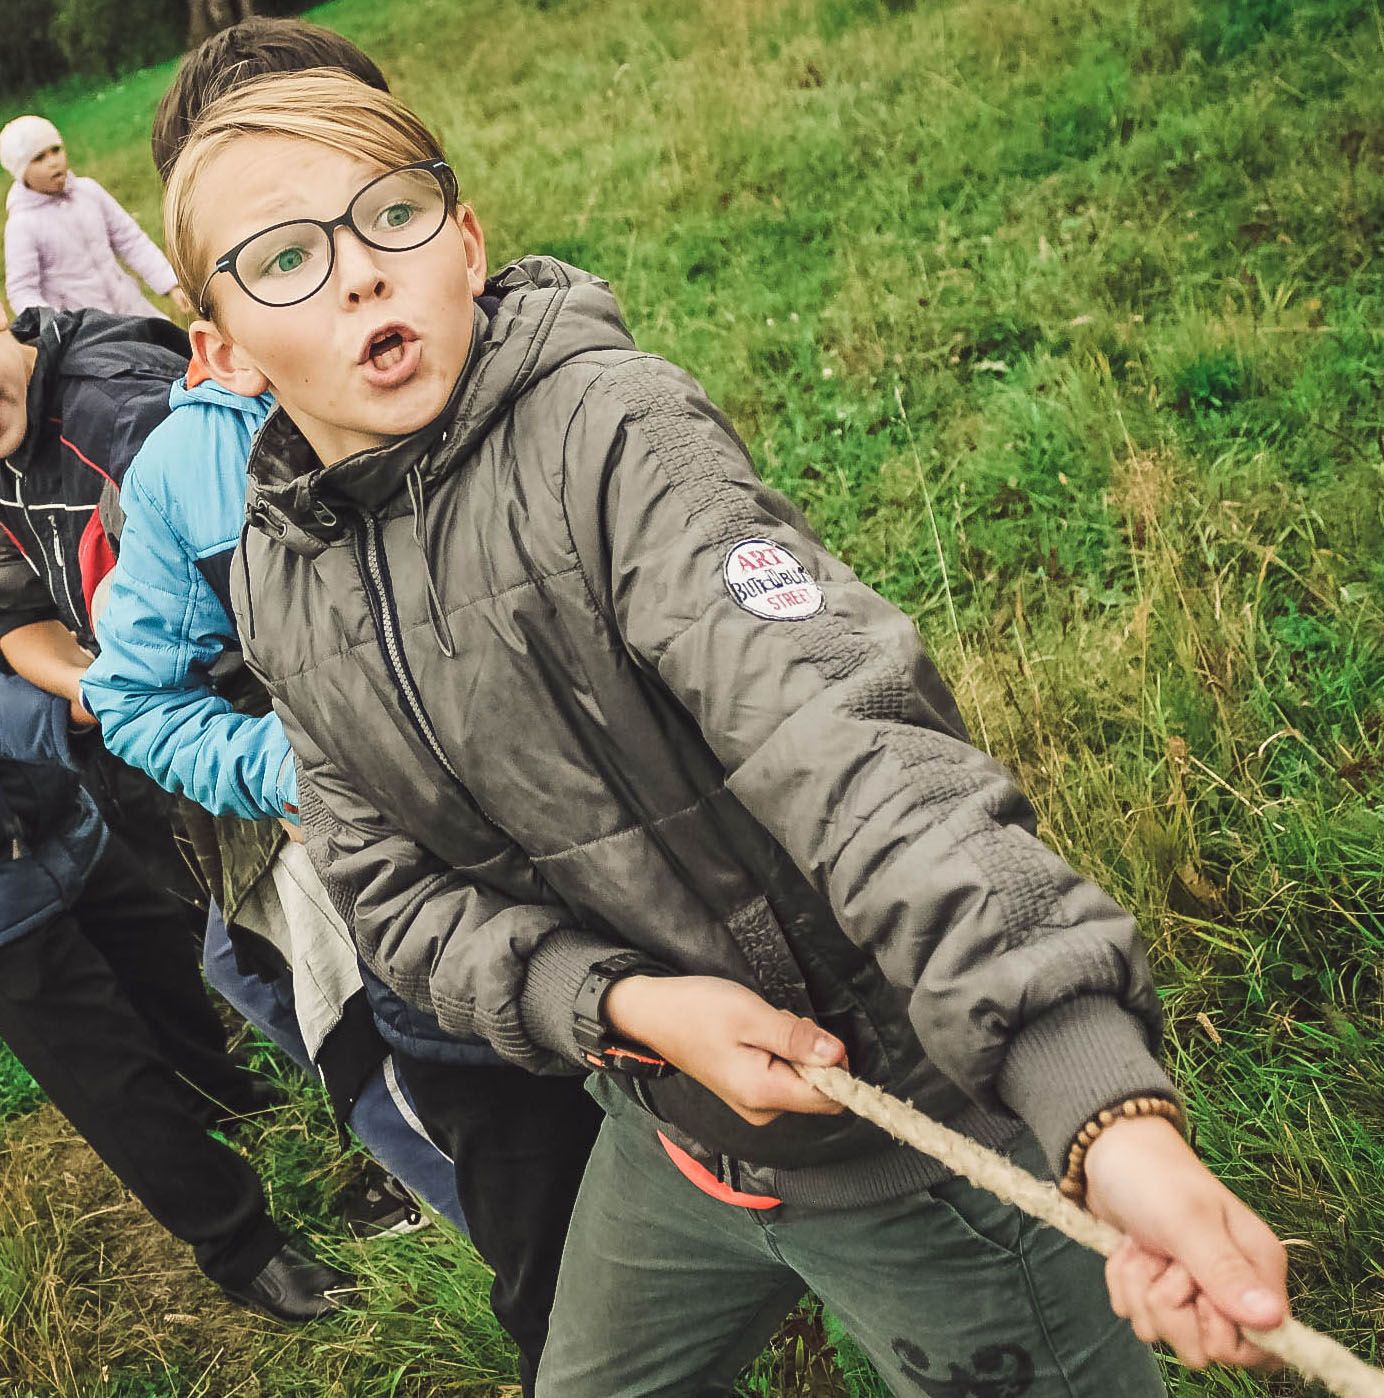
x=1063, y=321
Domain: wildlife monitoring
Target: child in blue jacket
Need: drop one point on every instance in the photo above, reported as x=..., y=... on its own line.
x=165, y=632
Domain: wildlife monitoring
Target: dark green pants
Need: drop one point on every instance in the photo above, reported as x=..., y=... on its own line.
x=665, y=1291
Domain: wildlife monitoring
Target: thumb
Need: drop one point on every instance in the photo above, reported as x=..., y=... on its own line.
x=799, y=1040
x=1229, y=1278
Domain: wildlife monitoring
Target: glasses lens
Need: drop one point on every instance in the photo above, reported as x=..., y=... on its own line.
x=284, y=265
x=400, y=210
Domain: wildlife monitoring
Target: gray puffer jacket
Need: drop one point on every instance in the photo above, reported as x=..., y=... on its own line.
x=566, y=677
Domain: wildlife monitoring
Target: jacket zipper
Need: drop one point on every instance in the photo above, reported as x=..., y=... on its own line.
x=14, y=831
x=370, y=554
x=62, y=571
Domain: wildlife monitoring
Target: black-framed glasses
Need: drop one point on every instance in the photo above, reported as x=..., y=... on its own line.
x=288, y=262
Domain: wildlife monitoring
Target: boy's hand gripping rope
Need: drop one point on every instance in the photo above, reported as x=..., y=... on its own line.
x=1311, y=1353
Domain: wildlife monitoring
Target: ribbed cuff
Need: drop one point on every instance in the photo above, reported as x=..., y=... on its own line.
x=1062, y=1069
x=555, y=974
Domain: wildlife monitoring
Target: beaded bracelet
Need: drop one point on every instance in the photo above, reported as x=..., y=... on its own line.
x=1073, y=1183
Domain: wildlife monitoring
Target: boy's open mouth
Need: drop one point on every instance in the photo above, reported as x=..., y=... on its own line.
x=390, y=355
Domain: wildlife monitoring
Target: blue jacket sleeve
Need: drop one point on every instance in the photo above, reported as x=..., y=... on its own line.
x=33, y=725
x=161, y=631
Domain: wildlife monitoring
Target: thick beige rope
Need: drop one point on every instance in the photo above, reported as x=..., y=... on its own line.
x=1311, y=1353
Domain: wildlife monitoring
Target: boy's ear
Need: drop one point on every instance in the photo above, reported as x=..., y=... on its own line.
x=473, y=236
x=225, y=361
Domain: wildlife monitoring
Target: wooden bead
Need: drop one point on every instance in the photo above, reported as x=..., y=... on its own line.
x=1073, y=1183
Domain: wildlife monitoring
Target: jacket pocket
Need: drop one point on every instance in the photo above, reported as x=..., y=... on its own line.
x=756, y=931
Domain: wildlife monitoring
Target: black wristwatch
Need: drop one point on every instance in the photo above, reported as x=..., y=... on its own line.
x=598, y=1045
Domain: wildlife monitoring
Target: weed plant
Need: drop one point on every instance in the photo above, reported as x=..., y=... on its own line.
x=1062, y=320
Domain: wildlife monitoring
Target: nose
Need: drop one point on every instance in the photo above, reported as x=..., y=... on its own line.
x=358, y=275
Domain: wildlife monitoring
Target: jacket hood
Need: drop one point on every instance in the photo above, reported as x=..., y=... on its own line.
x=86, y=344
x=208, y=391
x=534, y=316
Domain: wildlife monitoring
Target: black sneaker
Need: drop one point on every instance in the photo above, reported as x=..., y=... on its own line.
x=293, y=1286
x=383, y=1206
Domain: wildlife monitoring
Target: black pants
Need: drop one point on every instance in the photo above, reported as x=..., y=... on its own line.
x=106, y=1009
x=520, y=1143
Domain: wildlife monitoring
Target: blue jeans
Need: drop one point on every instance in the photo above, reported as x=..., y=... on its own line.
x=384, y=1118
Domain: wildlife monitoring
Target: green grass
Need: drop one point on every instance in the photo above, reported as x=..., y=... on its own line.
x=1063, y=321
x=19, y=1093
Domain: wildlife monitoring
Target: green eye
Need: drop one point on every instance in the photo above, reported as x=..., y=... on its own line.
x=281, y=262
x=397, y=215
x=288, y=260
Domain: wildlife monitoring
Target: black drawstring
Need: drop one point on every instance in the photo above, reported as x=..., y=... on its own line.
x=442, y=632
x=245, y=575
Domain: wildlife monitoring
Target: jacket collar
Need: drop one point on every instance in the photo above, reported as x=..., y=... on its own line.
x=534, y=315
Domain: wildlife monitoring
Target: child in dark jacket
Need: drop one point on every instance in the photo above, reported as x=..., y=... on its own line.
x=611, y=762
x=100, y=999
x=103, y=1002
x=79, y=392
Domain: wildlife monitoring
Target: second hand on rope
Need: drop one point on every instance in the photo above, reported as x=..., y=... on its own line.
x=1311, y=1353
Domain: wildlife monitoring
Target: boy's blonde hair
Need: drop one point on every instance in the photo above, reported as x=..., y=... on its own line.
x=321, y=105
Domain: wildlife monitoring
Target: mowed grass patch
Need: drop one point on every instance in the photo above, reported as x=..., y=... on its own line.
x=1062, y=321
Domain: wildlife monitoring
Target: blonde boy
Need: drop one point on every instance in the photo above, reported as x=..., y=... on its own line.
x=611, y=763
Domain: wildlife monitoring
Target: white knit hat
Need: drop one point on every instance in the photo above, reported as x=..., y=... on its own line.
x=23, y=140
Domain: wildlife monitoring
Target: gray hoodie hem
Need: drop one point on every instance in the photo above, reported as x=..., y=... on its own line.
x=1077, y=1059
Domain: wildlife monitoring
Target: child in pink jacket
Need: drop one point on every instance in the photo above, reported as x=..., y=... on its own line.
x=63, y=234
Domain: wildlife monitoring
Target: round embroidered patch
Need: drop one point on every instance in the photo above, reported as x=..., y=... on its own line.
x=767, y=581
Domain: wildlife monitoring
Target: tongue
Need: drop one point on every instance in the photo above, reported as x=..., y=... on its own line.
x=387, y=353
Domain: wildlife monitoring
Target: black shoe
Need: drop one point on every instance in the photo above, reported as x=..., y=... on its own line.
x=383, y=1206
x=294, y=1286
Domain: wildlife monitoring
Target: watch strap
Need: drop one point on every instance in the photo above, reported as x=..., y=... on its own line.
x=600, y=1048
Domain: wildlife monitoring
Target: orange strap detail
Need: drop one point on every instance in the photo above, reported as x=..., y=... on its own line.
x=699, y=1175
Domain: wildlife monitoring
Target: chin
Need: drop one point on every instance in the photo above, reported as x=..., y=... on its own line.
x=409, y=418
